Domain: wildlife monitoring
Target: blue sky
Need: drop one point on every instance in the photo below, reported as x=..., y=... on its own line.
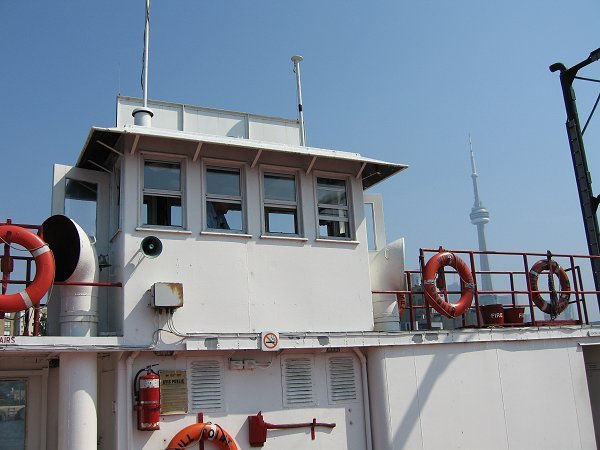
x=400, y=81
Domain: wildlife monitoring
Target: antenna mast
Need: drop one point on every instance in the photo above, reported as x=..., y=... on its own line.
x=146, y=41
x=296, y=59
x=143, y=116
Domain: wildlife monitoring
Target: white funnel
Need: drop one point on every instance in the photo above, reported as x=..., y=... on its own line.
x=76, y=261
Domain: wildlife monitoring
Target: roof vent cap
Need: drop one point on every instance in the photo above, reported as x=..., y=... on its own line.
x=142, y=117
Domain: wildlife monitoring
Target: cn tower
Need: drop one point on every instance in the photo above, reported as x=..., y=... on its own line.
x=479, y=217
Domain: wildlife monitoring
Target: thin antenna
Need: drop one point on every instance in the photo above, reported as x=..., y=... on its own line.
x=296, y=59
x=145, y=66
x=143, y=116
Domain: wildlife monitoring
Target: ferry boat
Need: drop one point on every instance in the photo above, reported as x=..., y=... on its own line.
x=211, y=281
x=206, y=279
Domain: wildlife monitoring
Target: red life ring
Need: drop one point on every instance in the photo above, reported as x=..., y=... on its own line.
x=203, y=431
x=431, y=293
x=44, y=269
x=563, y=299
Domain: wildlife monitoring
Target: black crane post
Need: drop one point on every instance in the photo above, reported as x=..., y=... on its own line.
x=589, y=203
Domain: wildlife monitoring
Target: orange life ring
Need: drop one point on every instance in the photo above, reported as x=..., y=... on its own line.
x=431, y=293
x=203, y=431
x=44, y=269
x=538, y=300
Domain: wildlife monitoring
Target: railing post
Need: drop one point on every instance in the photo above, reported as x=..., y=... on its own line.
x=575, y=288
x=475, y=292
x=583, y=301
x=411, y=311
x=512, y=289
x=529, y=292
x=425, y=302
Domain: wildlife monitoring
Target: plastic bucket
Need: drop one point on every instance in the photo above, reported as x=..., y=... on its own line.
x=514, y=315
x=492, y=314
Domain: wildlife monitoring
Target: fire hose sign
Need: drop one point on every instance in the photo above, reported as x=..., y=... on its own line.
x=173, y=392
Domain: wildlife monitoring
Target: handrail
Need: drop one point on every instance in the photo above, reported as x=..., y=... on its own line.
x=516, y=286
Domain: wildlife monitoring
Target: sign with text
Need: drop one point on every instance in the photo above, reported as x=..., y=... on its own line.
x=173, y=392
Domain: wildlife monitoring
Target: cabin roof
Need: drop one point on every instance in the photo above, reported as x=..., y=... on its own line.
x=100, y=150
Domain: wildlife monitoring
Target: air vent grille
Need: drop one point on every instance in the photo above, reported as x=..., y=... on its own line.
x=298, y=382
x=342, y=379
x=206, y=390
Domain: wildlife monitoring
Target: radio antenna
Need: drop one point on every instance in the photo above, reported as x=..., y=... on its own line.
x=143, y=116
x=296, y=60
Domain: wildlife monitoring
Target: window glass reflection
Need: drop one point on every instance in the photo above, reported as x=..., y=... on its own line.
x=280, y=187
x=162, y=176
x=224, y=216
x=279, y=220
x=81, y=200
x=223, y=181
x=13, y=399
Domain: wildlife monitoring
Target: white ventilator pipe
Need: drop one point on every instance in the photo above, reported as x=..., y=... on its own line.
x=296, y=60
x=77, y=387
x=76, y=261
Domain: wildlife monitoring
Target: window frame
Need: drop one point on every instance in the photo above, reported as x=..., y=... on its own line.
x=295, y=205
x=231, y=166
x=181, y=160
x=349, y=208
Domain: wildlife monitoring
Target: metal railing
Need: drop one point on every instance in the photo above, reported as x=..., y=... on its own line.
x=516, y=293
x=31, y=322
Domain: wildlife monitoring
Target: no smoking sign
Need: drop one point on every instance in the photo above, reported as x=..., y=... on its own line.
x=269, y=341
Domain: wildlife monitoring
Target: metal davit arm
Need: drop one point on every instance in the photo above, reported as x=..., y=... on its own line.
x=582, y=176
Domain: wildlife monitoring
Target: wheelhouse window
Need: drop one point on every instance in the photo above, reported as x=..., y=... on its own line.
x=280, y=204
x=162, y=194
x=333, y=211
x=224, y=209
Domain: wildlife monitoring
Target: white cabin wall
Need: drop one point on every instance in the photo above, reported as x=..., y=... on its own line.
x=234, y=283
x=116, y=274
x=494, y=395
x=247, y=392
x=208, y=121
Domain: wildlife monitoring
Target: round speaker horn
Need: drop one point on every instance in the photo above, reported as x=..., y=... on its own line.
x=151, y=246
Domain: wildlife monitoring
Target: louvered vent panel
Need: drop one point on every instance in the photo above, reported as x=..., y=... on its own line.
x=206, y=391
x=342, y=379
x=297, y=382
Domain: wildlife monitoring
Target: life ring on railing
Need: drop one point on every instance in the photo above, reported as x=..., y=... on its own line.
x=44, y=269
x=538, y=300
x=431, y=293
x=200, y=432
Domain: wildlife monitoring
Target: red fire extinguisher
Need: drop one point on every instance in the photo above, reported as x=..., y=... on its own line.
x=147, y=396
